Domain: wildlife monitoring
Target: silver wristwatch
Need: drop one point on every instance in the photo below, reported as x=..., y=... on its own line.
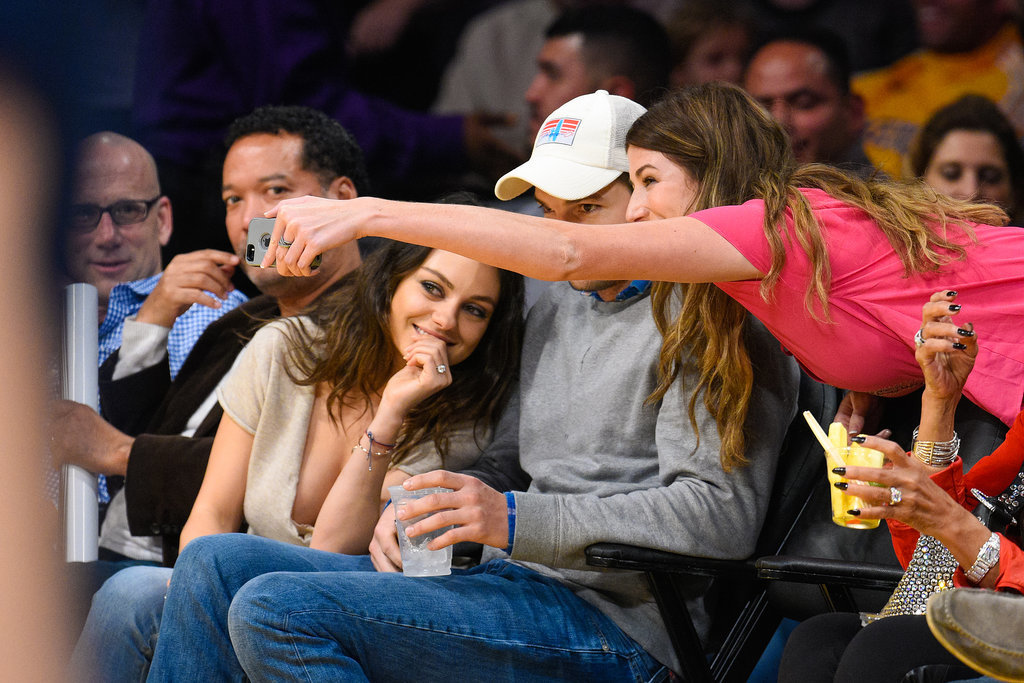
x=988, y=557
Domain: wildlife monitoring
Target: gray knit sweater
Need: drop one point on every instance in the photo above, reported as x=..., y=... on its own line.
x=606, y=467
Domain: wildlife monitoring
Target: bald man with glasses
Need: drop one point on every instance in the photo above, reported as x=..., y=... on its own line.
x=117, y=224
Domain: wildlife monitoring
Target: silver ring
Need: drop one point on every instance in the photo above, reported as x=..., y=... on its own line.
x=441, y=369
x=918, y=338
x=895, y=495
x=284, y=243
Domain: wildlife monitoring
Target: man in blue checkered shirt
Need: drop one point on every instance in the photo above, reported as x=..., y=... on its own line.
x=118, y=222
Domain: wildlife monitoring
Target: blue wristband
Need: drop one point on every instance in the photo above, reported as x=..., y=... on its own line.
x=510, y=500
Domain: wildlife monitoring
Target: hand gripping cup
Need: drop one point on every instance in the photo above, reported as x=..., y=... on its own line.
x=417, y=560
x=855, y=455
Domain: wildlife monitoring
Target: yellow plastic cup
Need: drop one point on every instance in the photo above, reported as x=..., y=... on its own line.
x=855, y=455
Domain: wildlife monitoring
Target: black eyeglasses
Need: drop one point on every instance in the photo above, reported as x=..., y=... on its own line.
x=85, y=217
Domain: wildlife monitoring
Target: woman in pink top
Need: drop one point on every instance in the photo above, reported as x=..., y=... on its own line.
x=834, y=266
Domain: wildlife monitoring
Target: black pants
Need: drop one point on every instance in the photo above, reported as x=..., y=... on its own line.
x=834, y=647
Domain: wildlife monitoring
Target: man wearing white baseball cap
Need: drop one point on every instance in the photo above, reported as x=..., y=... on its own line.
x=579, y=171
x=589, y=364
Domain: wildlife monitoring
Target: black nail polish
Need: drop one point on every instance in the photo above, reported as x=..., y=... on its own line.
x=841, y=485
x=854, y=512
x=839, y=470
x=951, y=292
x=958, y=345
x=954, y=308
x=858, y=439
x=964, y=333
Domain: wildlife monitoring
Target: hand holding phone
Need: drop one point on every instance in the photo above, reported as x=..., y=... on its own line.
x=258, y=242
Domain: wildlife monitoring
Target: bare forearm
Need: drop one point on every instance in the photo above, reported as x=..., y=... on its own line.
x=937, y=417
x=204, y=521
x=350, y=511
x=964, y=536
x=678, y=249
x=79, y=436
x=533, y=246
x=346, y=520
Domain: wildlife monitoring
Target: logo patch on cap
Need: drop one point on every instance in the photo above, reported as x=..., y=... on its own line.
x=561, y=131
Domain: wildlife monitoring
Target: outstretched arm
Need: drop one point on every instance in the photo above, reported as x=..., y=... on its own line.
x=675, y=249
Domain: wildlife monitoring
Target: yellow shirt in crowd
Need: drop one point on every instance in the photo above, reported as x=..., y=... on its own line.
x=900, y=98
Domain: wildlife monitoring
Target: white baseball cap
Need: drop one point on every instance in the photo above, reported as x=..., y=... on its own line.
x=580, y=149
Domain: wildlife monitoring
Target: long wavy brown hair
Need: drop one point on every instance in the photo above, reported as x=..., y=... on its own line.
x=349, y=348
x=737, y=152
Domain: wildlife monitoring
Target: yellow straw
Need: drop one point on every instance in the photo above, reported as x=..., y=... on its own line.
x=830, y=448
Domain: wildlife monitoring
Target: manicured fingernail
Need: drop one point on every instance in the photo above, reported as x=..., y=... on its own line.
x=841, y=485
x=839, y=470
x=951, y=292
x=858, y=438
x=954, y=308
x=854, y=512
x=964, y=333
x=958, y=345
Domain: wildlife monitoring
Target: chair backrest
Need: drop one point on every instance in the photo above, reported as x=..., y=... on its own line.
x=801, y=465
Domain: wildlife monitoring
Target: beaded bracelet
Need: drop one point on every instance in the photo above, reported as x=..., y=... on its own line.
x=370, y=454
x=936, y=453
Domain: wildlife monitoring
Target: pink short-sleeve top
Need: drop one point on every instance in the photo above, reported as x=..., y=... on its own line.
x=875, y=309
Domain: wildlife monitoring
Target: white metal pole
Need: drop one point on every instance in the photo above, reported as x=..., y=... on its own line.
x=78, y=486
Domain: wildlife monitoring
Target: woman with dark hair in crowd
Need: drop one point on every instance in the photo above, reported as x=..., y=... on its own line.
x=969, y=150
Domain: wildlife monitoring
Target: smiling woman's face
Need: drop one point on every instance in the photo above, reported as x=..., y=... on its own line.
x=449, y=297
x=661, y=187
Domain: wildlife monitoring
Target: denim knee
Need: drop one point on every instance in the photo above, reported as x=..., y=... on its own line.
x=120, y=633
x=131, y=595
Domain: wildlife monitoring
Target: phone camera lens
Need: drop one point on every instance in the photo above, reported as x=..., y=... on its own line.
x=250, y=253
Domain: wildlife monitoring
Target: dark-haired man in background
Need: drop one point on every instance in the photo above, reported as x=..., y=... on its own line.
x=803, y=80
x=619, y=49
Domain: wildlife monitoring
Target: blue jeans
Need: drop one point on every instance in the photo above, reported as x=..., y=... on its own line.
x=281, y=612
x=120, y=632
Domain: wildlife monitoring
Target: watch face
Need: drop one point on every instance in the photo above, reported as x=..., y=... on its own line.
x=991, y=554
x=988, y=556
